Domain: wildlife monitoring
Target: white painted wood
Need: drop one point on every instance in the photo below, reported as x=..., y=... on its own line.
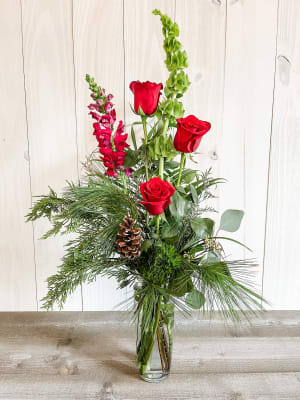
x=144, y=53
x=120, y=41
x=92, y=355
x=204, y=21
x=49, y=83
x=249, y=77
x=98, y=51
x=17, y=269
x=281, y=270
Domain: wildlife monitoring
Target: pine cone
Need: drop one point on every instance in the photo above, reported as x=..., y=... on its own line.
x=129, y=239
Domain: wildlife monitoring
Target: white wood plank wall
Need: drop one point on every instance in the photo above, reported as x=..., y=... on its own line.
x=244, y=65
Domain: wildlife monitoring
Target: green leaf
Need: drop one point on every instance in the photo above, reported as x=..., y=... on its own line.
x=171, y=229
x=177, y=206
x=172, y=240
x=141, y=112
x=171, y=164
x=124, y=284
x=146, y=244
x=131, y=158
x=140, y=171
x=203, y=227
x=188, y=175
x=216, y=266
x=194, y=194
x=213, y=257
x=133, y=138
x=180, y=284
x=231, y=220
x=163, y=217
x=181, y=190
x=168, y=314
x=195, y=299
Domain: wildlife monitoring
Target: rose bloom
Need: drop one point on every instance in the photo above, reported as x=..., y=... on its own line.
x=146, y=95
x=157, y=195
x=189, y=133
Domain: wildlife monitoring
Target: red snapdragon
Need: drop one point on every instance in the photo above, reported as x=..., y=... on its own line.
x=111, y=145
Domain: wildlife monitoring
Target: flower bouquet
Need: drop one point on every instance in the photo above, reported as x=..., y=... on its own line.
x=141, y=216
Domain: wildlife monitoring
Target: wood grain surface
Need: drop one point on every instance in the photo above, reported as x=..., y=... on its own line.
x=249, y=81
x=99, y=52
x=17, y=272
x=281, y=270
x=50, y=94
x=92, y=356
x=244, y=68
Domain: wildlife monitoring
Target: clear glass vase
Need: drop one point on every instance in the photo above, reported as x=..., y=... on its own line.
x=154, y=342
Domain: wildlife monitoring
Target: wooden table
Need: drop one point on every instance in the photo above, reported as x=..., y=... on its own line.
x=91, y=355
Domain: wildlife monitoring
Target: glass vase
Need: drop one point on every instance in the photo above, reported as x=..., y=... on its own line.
x=154, y=341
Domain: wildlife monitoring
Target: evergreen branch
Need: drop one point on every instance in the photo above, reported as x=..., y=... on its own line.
x=228, y=288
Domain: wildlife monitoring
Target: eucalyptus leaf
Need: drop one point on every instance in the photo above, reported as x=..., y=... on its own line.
x=194, y=194
x=181, y=190
x=177, y=206
x=188, y=175
x=195, y=299
x=203, y=227
x=171, y=164
x=231, y=220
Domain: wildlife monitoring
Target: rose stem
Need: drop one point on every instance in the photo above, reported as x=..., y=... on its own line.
x=157, y=224
x=146, y=146
x=150, y=348
x=160, y=351
x=161, y=160
x=161, y=167
x=180, y=169
x=146, y=158
x=166, y=345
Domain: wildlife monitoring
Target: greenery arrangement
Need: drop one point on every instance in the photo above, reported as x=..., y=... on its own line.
x=139, y=215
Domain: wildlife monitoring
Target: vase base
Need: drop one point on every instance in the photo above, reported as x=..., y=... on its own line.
x=153, y=376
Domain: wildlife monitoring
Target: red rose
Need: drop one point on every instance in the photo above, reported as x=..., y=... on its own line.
x=157, y=194
x=189, y=133
x=146, y=95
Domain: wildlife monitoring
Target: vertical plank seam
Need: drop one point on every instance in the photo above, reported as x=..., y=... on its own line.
x=224, y=73
x=124, y=85
x=124, y=63
x=270, y=148
x=175, y=10
x=225, y=56
x=76, y=117
x=244, y=192
x=28, y=150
